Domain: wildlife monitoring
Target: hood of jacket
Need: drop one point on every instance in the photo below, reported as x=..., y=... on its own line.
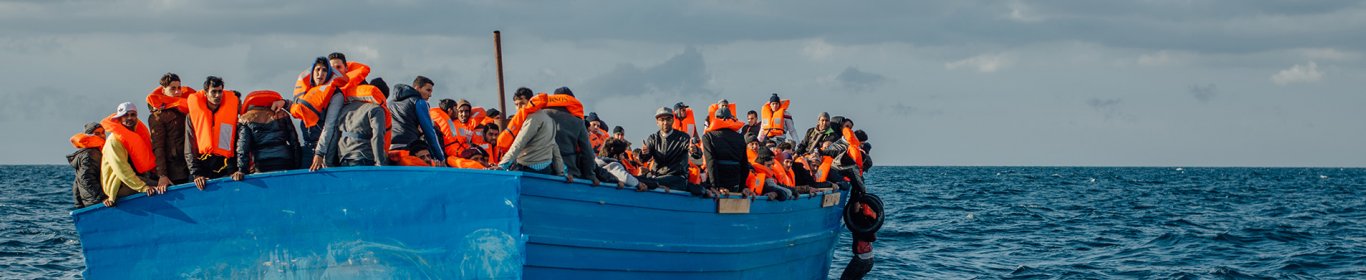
x=403, y=92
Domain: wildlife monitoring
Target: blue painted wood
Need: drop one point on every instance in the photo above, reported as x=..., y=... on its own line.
x=362, y=223
x=407, y=222
x=577, y=232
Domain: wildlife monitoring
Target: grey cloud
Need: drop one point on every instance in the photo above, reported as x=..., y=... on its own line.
x=1206, y=26
x=1108, y=107
x=855, y=80
x=683, y=74
x=1203, y=93
x=901, y=109
x=46, y=103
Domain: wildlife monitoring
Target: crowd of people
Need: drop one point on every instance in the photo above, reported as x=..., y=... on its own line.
x=195, y=134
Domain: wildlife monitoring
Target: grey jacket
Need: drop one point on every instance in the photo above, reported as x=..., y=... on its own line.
x=359, y=135
x=87, y=188
x=535, y=143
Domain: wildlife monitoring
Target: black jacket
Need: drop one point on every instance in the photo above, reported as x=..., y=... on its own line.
x=87, y=188
x=406, y=125
x=575, y=148
x=669, y=153
x=271, y=144
x=813, y=140
x=725, y=158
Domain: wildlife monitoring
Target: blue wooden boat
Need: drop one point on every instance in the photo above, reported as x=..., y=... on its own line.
x=413, y=222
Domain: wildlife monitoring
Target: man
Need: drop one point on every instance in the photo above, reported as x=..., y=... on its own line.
x=575, y=148
x=86, y=188
x=723, y=153
x=266, y=141
x=126, y=158
x=668, y=149
x=359, y=136
x=472, y=158
x=452, y=144
x=491, y=131
x=751, y=124
x=774, y=115
x=764, y=180
x=597, y=131
x=317, y=104
x=464, y=118
x=534, y=149
x=168, y=107
x=684, y=121
x=816, y=135
x=412, y=120
x=521, y=99
x=211, y=132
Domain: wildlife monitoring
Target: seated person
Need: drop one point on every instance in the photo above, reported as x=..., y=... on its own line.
x=266, y=140
x=761, y=180
x=413, y=154
x=534, y=148
x=472, y=158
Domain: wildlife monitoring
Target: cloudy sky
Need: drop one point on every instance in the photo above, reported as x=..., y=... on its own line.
x=1130, y=83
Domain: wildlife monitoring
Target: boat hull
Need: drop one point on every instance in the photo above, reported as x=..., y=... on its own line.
x=407, y=222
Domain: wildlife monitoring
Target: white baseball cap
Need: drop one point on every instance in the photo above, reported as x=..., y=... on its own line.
x=124, y=108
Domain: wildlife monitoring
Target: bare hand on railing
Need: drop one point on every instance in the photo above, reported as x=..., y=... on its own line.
x=199, y=182
x=237, y=176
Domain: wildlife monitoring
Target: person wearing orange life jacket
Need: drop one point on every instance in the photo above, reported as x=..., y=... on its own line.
x=266, y=141
x=684, y=121
x=86, y=187
x=762, y=178
x=597, y=131
x=211, y=132
x=774, y=115
x=126, y=159
x=723, y=154
x=464, y=118
x=472, y=158
x=711, y=112
x=571, y=134
x=491, y=132
x=453, y=145
x=167, y=107
x=317, y=100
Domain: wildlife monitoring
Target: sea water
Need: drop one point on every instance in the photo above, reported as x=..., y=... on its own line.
x=974, y=222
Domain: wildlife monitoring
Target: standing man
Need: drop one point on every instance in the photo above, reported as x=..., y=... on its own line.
x=774, y=117
x=168, y=106
x=126, y=158
x=211, y=132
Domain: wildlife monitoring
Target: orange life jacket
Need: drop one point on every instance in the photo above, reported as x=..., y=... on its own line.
x=159, y=101
x=477, y=115
x=356, y=73
x=711, y=112
x=758, y=174
x=453, y=144
x=457, y=162
x=404, y=158
x=687, y=124
x=782, y=173
x=773, y=119
x=694, y=174
x=214, y=132
x=597, y=137
x=310, y=100
x=260, y=98
x=86, y=141
x=822, y=172
x=137, y=141
x=537, y=103
x=727, y=124
x=751, y=154
x=630, y=165
x=855, y=148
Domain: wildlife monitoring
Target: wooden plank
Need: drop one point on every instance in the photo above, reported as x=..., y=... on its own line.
x=830, y=199
x=732, y=206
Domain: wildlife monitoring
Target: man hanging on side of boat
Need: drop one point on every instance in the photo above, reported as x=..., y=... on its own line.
x=211, y=132
x=266, y=141
x=126, y=160
x=412, y=122
x=86, y=187
x=166, y=119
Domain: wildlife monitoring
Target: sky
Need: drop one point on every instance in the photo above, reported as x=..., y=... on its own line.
x=1032, y=83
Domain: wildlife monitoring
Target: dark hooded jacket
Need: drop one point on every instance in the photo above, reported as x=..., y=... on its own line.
x=726, y=158
x=411, y=121
x=269, y=143
x=87, y=188
x=575, y=147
